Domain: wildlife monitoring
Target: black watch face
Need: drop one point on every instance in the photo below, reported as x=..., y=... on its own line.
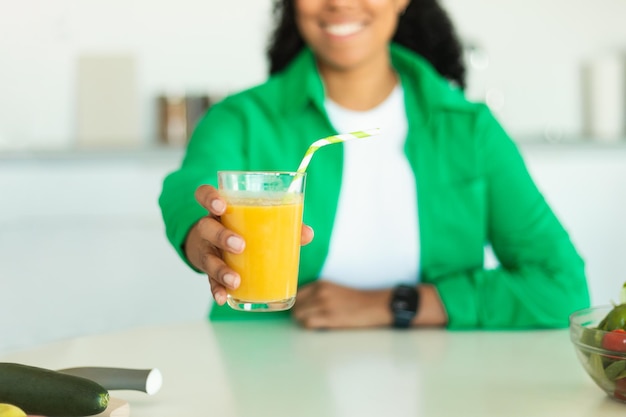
x=400, y=304
x=405, y=299
x=404, y=304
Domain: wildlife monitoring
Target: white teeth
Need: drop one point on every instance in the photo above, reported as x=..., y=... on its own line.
x=344, y=29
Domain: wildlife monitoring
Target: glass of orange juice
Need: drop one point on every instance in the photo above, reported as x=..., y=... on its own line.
x=265, y=208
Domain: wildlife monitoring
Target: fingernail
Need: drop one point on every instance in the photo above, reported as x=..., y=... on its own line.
x=235, y=243
x=231, y=280
x=217, y=206
x=220, y=299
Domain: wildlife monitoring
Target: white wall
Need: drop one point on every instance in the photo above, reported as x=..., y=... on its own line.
x=536, y=49
x=183, y=45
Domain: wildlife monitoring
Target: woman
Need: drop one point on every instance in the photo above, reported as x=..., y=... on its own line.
x=401, y=222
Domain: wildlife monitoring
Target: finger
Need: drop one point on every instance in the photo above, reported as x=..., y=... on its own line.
x=220, y=237
x=315, y=321
x=305, y=292
x=307, y=235
x=307, y=302
x=218, y=291
x=320, y=318
x=215, y=268
x=209, y=198
x=308, y=311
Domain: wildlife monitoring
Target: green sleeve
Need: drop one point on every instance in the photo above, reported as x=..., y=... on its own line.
x=217, y=143
x=541, y=277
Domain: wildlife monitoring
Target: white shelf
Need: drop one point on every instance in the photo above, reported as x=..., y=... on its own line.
x=168, y=153
x=153, y=153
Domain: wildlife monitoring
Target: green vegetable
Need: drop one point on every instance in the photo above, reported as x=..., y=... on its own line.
x=591, y=337
x=616, y=319
x=615, y=369
x=50, y=393
x=607, y=369
x=597, y=373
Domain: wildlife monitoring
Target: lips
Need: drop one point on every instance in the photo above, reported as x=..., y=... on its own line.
x=344, y=29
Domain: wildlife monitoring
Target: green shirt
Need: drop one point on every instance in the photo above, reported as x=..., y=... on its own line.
x=473, y=188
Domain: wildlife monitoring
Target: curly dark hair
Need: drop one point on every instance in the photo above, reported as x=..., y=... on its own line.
x=424, y=28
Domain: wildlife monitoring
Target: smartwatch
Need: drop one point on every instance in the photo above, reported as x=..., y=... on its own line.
x=405, y=301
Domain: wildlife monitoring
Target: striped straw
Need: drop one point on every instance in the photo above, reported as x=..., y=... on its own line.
x=333, y=139
x=320, y=143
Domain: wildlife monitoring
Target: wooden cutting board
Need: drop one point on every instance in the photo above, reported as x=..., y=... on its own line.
x=116, y=408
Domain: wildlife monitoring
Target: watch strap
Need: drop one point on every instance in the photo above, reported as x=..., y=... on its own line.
x=404, y=305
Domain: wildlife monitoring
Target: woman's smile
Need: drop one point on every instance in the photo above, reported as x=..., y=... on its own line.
x=343, y=29
x=348, y=34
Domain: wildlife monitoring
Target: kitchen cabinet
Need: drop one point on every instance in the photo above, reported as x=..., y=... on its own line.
x=83, y=250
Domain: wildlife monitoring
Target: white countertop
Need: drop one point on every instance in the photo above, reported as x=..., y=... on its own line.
x=276, y=369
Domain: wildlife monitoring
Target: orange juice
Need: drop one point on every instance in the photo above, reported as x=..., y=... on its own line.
x=268, y=266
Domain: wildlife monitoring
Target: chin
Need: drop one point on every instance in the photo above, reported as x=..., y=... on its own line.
x=341, y=61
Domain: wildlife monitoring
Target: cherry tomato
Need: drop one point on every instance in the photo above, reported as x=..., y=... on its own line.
x=615, y=341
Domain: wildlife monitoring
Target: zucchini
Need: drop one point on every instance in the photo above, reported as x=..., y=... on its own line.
x=45, y=392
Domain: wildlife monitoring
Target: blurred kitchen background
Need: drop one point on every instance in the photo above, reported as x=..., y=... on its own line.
x=97, y=99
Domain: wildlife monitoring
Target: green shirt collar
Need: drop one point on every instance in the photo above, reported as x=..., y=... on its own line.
x=303, y=83
x=422, y=84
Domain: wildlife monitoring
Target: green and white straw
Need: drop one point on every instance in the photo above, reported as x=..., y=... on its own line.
x=320, y=143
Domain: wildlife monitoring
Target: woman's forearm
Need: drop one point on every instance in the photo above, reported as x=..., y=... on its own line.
x=431, y=311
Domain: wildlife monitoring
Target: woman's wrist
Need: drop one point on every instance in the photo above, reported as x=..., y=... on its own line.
x=383, y=314
x=428, y=307
x=431, y=311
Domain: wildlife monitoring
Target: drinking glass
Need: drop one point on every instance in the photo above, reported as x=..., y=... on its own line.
x=265, y=208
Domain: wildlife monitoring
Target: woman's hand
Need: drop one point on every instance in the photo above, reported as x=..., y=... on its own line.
x=325, y=305
x=208, y=239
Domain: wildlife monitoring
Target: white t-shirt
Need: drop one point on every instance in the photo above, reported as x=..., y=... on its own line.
x=375, y=238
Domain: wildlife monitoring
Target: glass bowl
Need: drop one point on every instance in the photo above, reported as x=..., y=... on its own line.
x=602, y=353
